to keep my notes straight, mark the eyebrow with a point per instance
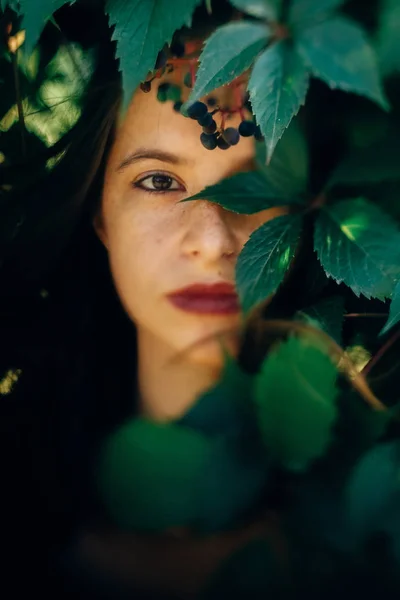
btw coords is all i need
(155, 154)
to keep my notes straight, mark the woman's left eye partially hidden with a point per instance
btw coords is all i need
(158, 183)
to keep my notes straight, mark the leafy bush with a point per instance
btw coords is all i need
(324, 89)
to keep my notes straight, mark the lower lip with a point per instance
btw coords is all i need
(211, 305)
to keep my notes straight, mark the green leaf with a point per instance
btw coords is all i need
(223, 409)
(372, 496)
(244, 193)
(265, 258)
(232, 480)
(295, 394)
(394, 312)
(372, 164)
(262, 9)
(289, 167)
(302, 13)
(228, 52)
(338, 52)
(388, 39)
(280, 75)
(327, 315)
(359, 245)
(36, 14)
(148, 473)
(142, 27)
(154, 476)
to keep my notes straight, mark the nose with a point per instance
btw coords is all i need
(209, 235)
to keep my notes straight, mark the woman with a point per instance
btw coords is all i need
(125, 294)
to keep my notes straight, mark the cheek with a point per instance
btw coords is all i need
(138, 251)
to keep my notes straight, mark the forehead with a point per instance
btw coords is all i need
(154, 124)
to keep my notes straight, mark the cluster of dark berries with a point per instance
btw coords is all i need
(224, 139)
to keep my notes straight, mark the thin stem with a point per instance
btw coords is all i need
(380, 353)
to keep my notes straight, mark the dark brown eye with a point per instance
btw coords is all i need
(161, 182)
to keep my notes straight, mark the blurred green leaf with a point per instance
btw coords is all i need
(224, 408)
(372, 496)
(295, 395)
(359, 244)
(227, 53)
(338, 52)
(302, 13)
(388, 37)
(280, 75)
(142, 27)
(265, 258)
(148, 474)
(244, 193)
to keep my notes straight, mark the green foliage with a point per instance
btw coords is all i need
(372, 495)
(280, 75)
(265, 258)
(227, 53)
(338, 52)
(245, 193)
(295, 395)
(388, 39)
(142, 27)
(359, 244)
(304, 12)
(35, 15)
(224, 408)
(148, 474)
(335, 166)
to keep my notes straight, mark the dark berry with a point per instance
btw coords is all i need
(211, 101)
(212, 128)
(247, 128)
(231, 135)
(222, 143)
(187, 80)
(161, 59)
(208, 141)
(197, 110)
(205, 120)
(258, 135)
(145, 86)
(177, 49)
(177, 106)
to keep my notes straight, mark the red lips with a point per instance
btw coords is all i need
(217, 298)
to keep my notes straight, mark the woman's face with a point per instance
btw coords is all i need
(158, 245)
